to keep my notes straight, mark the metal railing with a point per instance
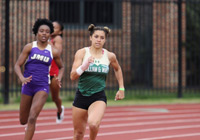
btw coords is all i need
(155, 41)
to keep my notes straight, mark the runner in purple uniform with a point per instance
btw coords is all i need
(37, 57)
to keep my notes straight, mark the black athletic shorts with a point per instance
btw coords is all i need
(84, 102)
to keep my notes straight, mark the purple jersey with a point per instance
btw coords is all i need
(38, 64)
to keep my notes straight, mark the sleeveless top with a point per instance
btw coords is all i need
(93, 79)
(54, 68)
(38, 64)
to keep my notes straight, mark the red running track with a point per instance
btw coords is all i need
(142, 122)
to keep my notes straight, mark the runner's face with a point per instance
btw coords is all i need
(57, 30)
(43, 33)
(98, 39)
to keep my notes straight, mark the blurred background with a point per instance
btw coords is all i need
(157, 43)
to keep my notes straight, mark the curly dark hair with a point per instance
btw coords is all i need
(42, 21)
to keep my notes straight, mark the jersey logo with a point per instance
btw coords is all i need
(100, 68)
(40, 57)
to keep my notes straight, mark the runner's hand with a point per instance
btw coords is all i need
(87, 62)
(119, 95)
(26, 80)
(57, 80)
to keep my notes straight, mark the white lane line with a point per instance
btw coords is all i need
(112, 125)
(66, 138)
(109, 110)
(109, 120)
(151, 117)
(149, 123)
(160, 110)
(147, 113)
(134, 114)
(134, 131)
(171, 136)
(41, 114)
(39, 118)
(37, 125)
(38, 132)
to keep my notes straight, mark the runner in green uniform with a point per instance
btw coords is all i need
(90, 66)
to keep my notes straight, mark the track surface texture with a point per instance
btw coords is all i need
(137, 122)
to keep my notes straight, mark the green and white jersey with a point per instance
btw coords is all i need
(93, 79)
